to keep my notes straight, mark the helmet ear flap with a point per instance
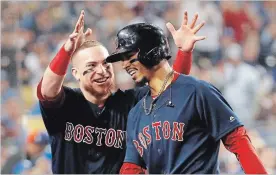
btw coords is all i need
(153, 57)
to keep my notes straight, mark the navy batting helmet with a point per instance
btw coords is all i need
(146, 39)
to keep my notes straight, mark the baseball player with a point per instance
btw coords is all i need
(87, 125)
(177, 126)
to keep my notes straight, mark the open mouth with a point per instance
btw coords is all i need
(101, 80)
(131, 71)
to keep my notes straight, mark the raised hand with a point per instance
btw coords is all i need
(185, 37)
(78, 36)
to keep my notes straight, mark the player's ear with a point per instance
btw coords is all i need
(75, 73)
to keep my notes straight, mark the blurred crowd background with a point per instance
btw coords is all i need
(238, 57)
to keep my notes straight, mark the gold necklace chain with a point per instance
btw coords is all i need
(149, 110)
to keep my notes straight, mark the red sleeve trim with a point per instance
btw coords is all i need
(38, 91)
(183, 62)
(56, 102)
(238, 142)
(131, 168)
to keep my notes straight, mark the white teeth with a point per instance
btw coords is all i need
(131, 72)
(101, 80)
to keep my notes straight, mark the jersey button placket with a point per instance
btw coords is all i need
(153, 115)
(155, 143)
(98, 155)
(159, 151)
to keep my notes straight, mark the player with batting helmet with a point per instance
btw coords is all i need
(177, 126)
(87, 125)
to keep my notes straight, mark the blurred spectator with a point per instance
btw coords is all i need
(236, 18)
(268, 156)
(268, 107)
(107, 26)
(6, 91)
(213, 28)
(37, 60)
(267, 11)
(268, 46)
(251, 48)
(8, 62)
(25, 159)
(11, 119)
(172, 14)
(146, 11)
(241, 85)
(42, 164)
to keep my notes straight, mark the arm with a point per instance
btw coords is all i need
(185, 39)
(50, 87)
(238, 142)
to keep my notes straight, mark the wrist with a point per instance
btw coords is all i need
(184, 51)
(180, 48)
(67, 49)
(60, 62)
(67, 52)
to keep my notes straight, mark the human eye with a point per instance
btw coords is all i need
(106, 64)
(91, 65)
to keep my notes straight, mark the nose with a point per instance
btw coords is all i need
(101, 70)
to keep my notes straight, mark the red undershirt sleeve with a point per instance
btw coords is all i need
(131, 168)
(239, 143)
(183, 62)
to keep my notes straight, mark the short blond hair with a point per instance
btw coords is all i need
(87, 44)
